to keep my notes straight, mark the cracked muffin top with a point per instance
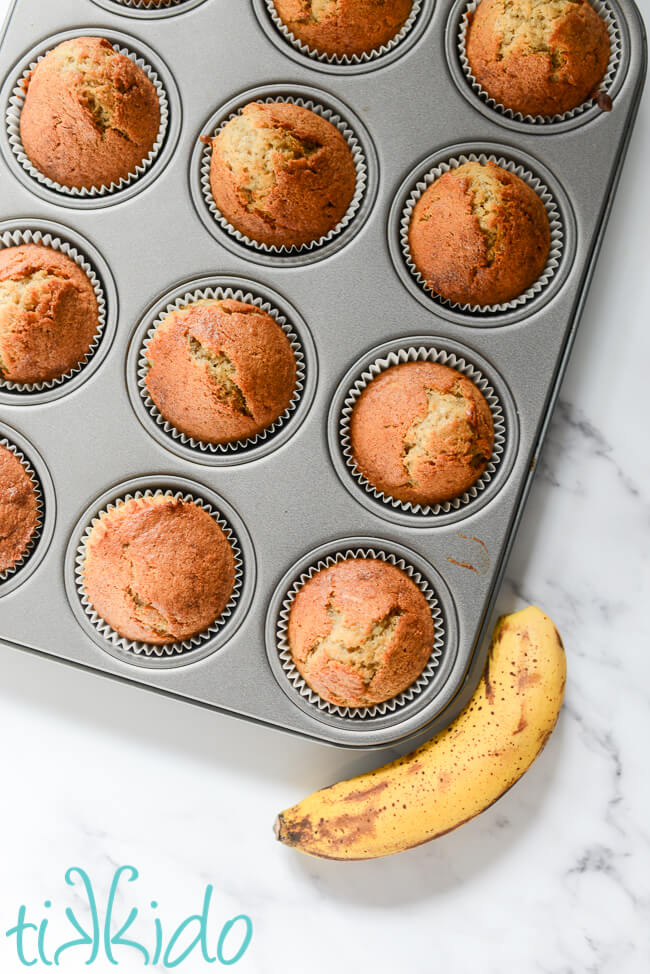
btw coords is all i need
(538, 57)
(91, 115)
(479, 235)
(281, 174)
(18, 509)
(220, 371)
(344, 27)
(422, 433)
(158, 569)
(360, 632)
(48, 314)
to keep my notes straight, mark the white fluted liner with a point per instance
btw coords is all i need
(425, 354)
(220, 294)
(40, 509)
(360, 165)
(130, 646)
(155, 5)
(15, 107)
(552, 211)
(603, 9)
(14, 238)
(344, 59)
(388, 706)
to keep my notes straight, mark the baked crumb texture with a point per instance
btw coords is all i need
(421, 433)
(91, 115)
(48, 314)
(538, 57)
(220, 371)
(158, 569)
(344, 27)
(281, 174)
(18, 509)
(360, 632)
(479, 235)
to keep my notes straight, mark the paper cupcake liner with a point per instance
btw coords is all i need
(425, 354)
(14, 238)
(379, 709)
(552, 211)
(615, 45)
(155, 4)
(40, 510)
(130, 646)
(15, 107)
(158, 8)
(343, 59)
(360, 164)
(220, 294)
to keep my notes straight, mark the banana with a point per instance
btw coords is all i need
(457, 774)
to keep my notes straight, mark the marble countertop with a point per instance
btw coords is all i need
(554, 878)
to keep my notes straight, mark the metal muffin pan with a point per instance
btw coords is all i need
(295, 500)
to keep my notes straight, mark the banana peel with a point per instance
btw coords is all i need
(458, 773)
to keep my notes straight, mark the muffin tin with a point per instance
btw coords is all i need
(292, 499)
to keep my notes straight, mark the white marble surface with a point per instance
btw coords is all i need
(555, 878)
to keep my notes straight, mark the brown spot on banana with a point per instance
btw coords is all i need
(522, 725)
(292, 833)
(527, 679)
(489, 692)
(366, 792)
(342, 829)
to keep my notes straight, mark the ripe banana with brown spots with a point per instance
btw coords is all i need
(457, 774)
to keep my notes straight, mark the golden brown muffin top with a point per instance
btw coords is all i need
(538, 57)
(158, 569)
(344, 27)
(48, 313)
(360, 632)
(281, 174)
(91, 115)
(18, 509)
(220, 371)
(422, 433)
(479, 235)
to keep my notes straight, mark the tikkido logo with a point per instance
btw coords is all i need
(102, 935)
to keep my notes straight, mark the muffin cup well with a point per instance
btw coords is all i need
(345, 60)
(40, 511)
(240, 451)
(359, 147)
(388, 707)
(552, 211)
(15, 107)
(442, 357)
(220, 294)
(146, 651)
(605, 11)
(14, 238)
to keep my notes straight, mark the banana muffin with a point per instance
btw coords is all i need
(479, 235)
(422, 433)
(538, 57)
(91, 115)
(48, 314)
(281, 174)
(360, 632)
(220, 371)
(158, 569)
(344, 27)
(18, 509)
